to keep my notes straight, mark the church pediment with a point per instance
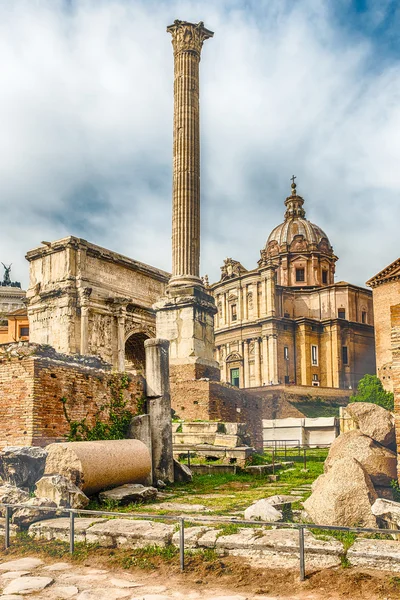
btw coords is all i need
(234, 357)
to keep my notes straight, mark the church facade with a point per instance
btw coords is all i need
(287, 321)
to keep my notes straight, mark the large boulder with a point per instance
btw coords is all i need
(262, 510)
(24, 517)
(343, 496)
(62, 491)
(130, 492)
(22, 466)
(374, 421)
(379, 462)
(10, 494)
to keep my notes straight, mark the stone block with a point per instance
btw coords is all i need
(182, 473)
(22, 466)
(262, 510)
(130, 492)
(58, 529)
(9, 494)
(130, 533)
(375, 554)
(192, 536)
(23, 517)
(374, 421)
(202, 427)
(27, 585)
(62, 491)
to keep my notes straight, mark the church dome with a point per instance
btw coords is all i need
(297, 230)
(301, 251)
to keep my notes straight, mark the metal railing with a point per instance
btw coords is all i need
(301, 527)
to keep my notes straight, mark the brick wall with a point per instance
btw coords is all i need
(395, 345)
(385, 296)
(31, 388)
(214, 401)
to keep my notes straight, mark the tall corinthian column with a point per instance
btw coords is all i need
(185, 316)
(187, 41)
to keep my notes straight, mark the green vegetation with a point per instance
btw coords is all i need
(394, 484)
(370, 389)
(316, 407)
(111, 421)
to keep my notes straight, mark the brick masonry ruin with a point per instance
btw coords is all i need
(34, 378)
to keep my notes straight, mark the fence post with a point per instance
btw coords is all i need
(182, 544)
(273, 462)
(71, 531)
(189, 459)
(305, 459)
(7, 528)
(302, 558)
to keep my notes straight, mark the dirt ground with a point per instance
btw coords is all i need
(230, 576)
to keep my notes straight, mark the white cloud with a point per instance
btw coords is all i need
(86, 144)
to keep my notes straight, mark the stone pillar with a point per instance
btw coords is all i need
(270, 290)
(84, 301)
(273, 357)
(186, 315)
(121, 341)
(265, 370)
(246, 366)
(257, 365)
(187, 41)
(159, 408)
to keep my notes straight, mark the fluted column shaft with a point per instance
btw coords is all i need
(187, 41)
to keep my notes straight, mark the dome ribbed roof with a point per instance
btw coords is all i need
(286, 231)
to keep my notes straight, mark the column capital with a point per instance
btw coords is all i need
(188, 37)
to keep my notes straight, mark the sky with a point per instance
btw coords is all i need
(303, 87)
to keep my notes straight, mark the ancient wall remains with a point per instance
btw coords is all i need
(34, 379)
(385, 296)
(395, 346)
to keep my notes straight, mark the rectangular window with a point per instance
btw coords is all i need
(287, 379)
(314, 355)
(234, 312)
(286, 353)
(315, 377)
(299, 274)
(24, 331)
(235, 377)
(341, 313)
(345, 355)
(324, 276)
(363, 317)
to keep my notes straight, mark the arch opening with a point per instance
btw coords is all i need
(135, 356)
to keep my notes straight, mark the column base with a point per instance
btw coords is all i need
(185, 317)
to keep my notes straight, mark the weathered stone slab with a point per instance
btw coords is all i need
(182, 473)
(62, 491)
(64, 592)
(13, 528)
(9, 494)
(262, 510)
(21, 564)
(130, 492)
(209, 539)
(102, 594)
(179, 507)
(27, 585)
(130, 533)
(388, 511)
(14, 574)
(375, 554)
(192, 536)
(58, 529)
(22, 466)
(24, 517)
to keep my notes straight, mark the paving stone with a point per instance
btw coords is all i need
(375, 554)
(27, 585)
(103, 594)
(61, 566)
(12, 597)
(124, 583)
(176, 506)
(64, 592)
(21, 564)
(229, 597)
(14, 574)
(79, 579)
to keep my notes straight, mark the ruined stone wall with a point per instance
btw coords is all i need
(385, 296)
(33, 379)
(395, 346)
(214, 401)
